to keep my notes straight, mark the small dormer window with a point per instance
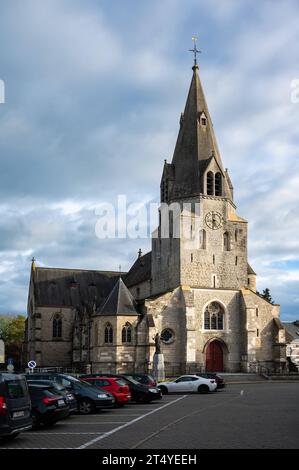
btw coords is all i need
(203, 121)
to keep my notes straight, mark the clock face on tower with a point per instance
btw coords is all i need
(214, 220)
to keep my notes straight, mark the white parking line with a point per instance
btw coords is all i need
(95, 422)
(106, 434)
(61, 433)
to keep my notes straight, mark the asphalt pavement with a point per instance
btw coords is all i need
(242, 416)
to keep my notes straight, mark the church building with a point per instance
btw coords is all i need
(195, 287)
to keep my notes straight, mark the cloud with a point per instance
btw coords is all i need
(93, 98)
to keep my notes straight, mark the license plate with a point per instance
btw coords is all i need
(18, 414)
(61, 403)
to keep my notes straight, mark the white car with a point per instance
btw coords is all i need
(188, 383)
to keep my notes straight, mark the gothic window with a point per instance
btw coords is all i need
(218, 184)
(226, 241)
(213, 321)
(57, 326)
(210, 183)
(202, 239)
(207, 320)
(108, 334)
(214, 317)
(126, 333)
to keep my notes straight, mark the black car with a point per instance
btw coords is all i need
(48, 406)
(15, 406)
(89, 398)
(69, 397)
(144, 379)
(139, 392)
(211, 375)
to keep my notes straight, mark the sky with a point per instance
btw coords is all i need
(93, 96)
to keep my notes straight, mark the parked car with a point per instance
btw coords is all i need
(188, 383)
(210, 375)
(119, 389)
(139, 392)
(48, 406)
(89, 398)
(69, 397)
(15, 406)
(144, 379)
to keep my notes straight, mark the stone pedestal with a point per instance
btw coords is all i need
(158, 367)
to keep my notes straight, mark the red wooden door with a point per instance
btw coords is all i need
(214, 357)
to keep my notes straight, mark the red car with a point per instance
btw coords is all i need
(114, 385)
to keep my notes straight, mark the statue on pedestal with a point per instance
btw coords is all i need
(158, 359)
(157, 339)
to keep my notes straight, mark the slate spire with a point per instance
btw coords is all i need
(196, 144)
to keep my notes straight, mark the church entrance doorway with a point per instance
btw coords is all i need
(214, 357)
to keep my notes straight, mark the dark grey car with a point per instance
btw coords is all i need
(89, 398)
(15, 405)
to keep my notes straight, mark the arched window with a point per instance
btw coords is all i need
(218, 184)
(202, 239)
(210, 183)
(214, 317)
(57, 326)
(126, 333)
(226, 241)
(108, 334)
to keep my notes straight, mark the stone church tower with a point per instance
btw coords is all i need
(195, 287)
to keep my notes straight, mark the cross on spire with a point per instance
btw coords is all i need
(195, 50)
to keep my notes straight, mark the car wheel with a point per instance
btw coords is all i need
(164, 390)
(86, 406)
(203, 389)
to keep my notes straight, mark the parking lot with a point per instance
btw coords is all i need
(241, 416)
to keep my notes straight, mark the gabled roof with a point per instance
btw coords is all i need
(140, 271)
(71, 287)
(119, 302)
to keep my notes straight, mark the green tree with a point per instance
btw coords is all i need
(267, 296)
(12, 328)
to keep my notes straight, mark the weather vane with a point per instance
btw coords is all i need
(195, 50)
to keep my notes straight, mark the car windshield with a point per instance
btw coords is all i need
(71, 378)
(16, 388)
(84, 383)
(131, 379)
(120, 382)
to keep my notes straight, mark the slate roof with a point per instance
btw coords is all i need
(72, 287)
(292, 330)
(140, 271)
(196, 145)
(119, 302)
(249, 269)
